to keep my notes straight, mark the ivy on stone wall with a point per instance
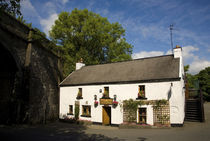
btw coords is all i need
(130, 107)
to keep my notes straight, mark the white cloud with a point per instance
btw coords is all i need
(189, 57)
(197, 65)
(188, 53)
(50, 7)
(147, 54)
(47, 23)
(64, 1)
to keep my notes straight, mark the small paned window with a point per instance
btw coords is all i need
(142, 115)
(106, 92)
(70, 110)
(79, 95)
(141, 93)
(86, 111)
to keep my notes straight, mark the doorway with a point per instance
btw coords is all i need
(142, 115)
(106, 115)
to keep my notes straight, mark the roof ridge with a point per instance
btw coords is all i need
(129, 60)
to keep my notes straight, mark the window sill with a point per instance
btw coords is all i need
(141, 98)
(85, 115)
(70, 114)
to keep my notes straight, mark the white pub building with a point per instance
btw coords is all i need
(98, 91)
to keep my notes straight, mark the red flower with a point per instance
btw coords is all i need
(114, 102)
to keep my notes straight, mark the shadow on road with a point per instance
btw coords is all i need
(54, 132)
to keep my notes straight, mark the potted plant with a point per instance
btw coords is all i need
(96, 103)
(141, 94)
(114, 103)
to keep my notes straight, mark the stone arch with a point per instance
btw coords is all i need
(7, 80)
(11, 78)
(8, 47)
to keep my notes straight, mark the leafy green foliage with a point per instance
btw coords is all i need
(159, 103)
(131, 106)
(186, 68)
(11, 6)
(204, 80)
(76, 111)
(84, 34)
(200, 81)
(191, 79)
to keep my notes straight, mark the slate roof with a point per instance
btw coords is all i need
(161, 68)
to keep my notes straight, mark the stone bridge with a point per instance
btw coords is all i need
(29, 75)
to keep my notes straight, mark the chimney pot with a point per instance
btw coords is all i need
(81, 60)
(80, 64)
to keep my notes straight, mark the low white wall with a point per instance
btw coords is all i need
(153, 91)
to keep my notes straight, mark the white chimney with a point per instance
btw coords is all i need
(177, 52)
(80, 64)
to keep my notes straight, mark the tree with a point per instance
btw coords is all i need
(87, 35)
(204, 80)
(186, 68)
(191, 79)
(11, 6)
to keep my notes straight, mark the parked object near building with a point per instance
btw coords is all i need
(105, 93)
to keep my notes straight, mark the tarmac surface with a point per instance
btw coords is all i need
(58, 131)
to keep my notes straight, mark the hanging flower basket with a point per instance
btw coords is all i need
(96, 103)
(114, 103)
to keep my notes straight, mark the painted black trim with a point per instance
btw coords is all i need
(100, 123)
(141, 98)
(177, 125)
(97, 123)
(85, 116)
(115, 125)
(124, 82)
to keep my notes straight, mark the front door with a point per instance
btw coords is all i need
(106, 115)
(142, 115)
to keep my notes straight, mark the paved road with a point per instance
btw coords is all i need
(191, 131)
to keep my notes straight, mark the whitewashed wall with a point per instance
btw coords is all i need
(153, 91)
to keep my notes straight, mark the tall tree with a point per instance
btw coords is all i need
(204, 80)
(192, 80)
(11, 6)
(87, 35)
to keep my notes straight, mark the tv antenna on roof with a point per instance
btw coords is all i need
(171, 27)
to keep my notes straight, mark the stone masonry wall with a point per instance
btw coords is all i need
(35, 92)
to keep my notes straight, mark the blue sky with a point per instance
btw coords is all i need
(146, 23)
